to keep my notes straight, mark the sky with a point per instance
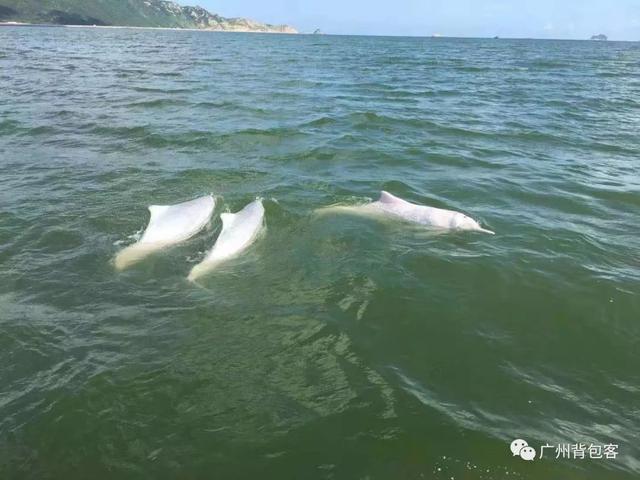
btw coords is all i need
(575, 19)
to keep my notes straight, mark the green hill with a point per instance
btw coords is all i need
(133, 13)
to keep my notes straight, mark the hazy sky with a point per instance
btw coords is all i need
(619, 19)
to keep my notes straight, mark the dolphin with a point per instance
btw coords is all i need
(168, 225)
(437, 218)
(239, 230)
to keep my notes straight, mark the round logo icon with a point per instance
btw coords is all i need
(528, 453)
(518, 445)
(520, 448)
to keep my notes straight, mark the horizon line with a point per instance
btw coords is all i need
(433, 36)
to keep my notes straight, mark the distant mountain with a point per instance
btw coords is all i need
(130, 13)
(601, 37)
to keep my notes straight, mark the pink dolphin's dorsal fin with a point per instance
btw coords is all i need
(157, 210)
(386, 197)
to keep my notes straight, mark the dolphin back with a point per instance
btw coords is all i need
(168, 225)
(239, 230)
(175, 223)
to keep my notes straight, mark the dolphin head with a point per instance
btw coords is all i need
(463, 222)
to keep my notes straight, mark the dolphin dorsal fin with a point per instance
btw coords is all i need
(386, 197)
(157, 210)
(227, 219)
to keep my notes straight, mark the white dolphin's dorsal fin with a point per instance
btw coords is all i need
(168, 225)
(239, 230)
(386, 197)
(157, 210)
(227, 219)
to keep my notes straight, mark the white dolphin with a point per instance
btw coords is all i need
(239, 230)
(437, 218)
(168, 225)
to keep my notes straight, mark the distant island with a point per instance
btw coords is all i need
(127, 13)
(601, 37)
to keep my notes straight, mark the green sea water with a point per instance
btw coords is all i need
(337, 347)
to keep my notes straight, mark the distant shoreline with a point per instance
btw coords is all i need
(53, 25)
(442, 37)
